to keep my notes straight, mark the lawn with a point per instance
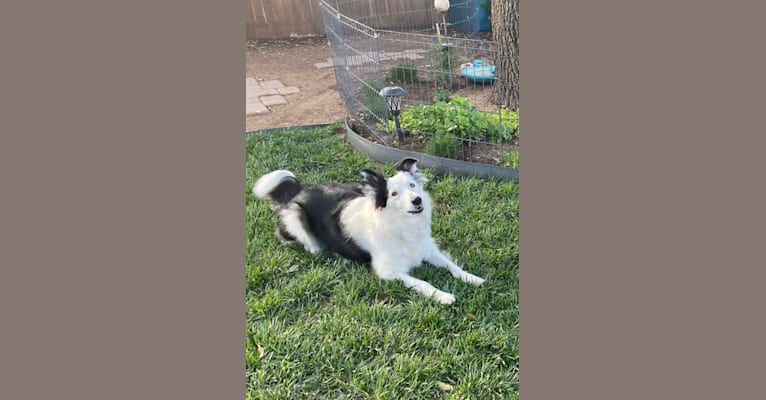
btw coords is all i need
(320, 327)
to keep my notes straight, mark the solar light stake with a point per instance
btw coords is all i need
(442, 6)
(393, 97)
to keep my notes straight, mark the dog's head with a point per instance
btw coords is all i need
(404, 192)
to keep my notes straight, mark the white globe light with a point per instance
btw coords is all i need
(441, 5)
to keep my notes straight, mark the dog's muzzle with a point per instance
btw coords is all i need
(418, 203)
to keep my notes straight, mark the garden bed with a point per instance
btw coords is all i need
(364, 141)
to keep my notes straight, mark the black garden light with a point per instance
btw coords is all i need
(393, 97)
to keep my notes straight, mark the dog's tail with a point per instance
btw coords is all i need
(278, 187)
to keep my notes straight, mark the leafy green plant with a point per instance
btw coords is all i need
(502, 125)
(441, 56)
(444, 145)
(458, 117)
(373, 103)
(449, 123)
(511, 158)
(440, 74)
(441, 95)
(404, 73)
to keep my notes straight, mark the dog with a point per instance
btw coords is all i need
(384, 223)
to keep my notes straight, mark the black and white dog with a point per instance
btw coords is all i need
(384, 222)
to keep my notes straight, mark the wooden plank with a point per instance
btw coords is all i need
(249, 20)
(272, 19)
(317, 21)
(291, 24)
(264, 17)
(278, 26)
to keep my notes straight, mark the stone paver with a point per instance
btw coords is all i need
(260, 95)
(263, 92)
(288, 90)
(271, 84)
(273, 100)
(255, 109)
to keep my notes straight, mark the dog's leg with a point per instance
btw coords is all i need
(295, 229)
(423, 287)
(440, 259)
(283, 235)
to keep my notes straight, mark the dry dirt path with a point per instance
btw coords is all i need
(292, 63)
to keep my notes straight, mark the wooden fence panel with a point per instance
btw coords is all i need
(278, 19)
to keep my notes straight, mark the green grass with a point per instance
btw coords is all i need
(320, 327)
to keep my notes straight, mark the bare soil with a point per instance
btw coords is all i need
(291, 61)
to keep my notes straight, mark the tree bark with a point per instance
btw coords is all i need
(505, 32)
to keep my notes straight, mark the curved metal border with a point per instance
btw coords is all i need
(438, 164)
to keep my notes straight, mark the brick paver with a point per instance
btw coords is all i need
(260, 95)
(271, 84)
(264, 92)
(273, 100)
(255, 109)
(288, 90)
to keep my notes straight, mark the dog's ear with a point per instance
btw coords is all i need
(375, 185)
(411, 165)
(408, 164)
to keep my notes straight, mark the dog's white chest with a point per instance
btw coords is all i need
(401, 250)
(397, 242)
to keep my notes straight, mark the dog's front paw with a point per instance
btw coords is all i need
(444, 297)
(472, 279)
(312, 249)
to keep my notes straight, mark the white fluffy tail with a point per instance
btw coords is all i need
(267, 183)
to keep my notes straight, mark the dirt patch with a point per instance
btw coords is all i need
(291, 61)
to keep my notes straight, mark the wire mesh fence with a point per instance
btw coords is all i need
(443, 62)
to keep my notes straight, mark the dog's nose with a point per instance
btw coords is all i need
(417, 201)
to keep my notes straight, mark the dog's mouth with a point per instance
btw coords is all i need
(417, 210)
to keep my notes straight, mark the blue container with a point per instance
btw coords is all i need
(479, 73)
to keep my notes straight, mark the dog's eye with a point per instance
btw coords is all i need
(412, 184)
(393, 194)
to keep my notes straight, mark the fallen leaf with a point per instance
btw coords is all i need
(260, 351)
(444, 386)
(472, 317)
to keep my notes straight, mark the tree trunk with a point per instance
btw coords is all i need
(505, 32)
